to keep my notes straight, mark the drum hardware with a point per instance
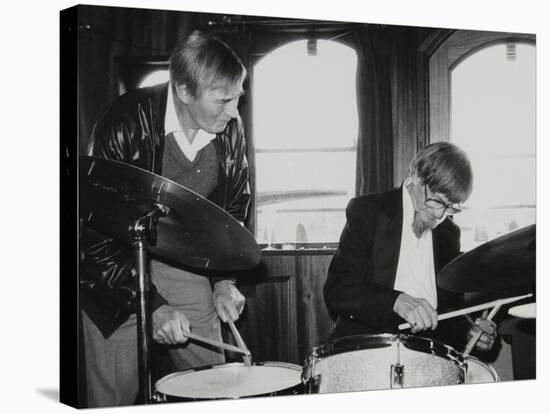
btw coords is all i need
(397, 376)
(397, 371)
(143, 232)
(159, 216)
(311, 381)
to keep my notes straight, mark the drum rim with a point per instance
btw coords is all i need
(489, 367)
(357, 343)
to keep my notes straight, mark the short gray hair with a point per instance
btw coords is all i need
(446, 169)
(200, 59)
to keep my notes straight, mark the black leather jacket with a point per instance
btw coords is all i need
(131, 129)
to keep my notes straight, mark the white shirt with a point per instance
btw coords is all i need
(172, 125)
(415, 269)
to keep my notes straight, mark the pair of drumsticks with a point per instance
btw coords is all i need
(496, 305)
(241, 349)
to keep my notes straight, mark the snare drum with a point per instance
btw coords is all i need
(230, 381)
(375, 362)
(478, 372)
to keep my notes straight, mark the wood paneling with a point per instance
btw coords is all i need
(314, 322)
(285, 314)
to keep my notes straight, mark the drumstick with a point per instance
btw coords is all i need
(246, 354)
(498, 302)
(215, 343)
(476, 337)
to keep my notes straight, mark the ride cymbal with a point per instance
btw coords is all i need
(194, 232)
(505, 262)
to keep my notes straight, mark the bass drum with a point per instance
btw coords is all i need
(478, 372)
(230, 381)
(376, 362)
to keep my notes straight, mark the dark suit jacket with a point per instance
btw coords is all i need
(359, 290)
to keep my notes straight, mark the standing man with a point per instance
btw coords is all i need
(188, 131)
(394, 244)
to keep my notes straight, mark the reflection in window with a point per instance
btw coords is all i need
(305, 129)
(493, 120)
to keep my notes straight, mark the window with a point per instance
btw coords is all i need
(154, 78)
(135, 72)
(305, 131)
(493, 120)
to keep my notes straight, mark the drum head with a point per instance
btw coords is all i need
(230, 381)
(479, 372)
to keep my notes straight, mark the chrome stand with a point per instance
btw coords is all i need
(143, 233)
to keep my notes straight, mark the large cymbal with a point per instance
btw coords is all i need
(505, 262)
(195, 232)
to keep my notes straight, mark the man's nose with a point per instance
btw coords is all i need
(440, 213)
(231, 108)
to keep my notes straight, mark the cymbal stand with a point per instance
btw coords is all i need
(144, 234)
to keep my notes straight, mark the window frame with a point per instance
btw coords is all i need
(442, 52)
(438, 56)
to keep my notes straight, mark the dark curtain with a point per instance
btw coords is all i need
(375, 168)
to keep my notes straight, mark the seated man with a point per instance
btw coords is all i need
(392, 247)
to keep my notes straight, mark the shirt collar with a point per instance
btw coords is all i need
(408, 208)
(171, 123)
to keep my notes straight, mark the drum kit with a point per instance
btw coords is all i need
(156, 215)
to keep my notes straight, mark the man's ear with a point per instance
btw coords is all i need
(414, 177)
(183, 93)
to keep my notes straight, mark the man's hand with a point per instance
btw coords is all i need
(170, 325)
(416, 311)
(228, 301)
(487, 338)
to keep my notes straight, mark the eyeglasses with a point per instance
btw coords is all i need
(436, 204)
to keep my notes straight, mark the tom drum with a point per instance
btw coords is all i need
(374, 362)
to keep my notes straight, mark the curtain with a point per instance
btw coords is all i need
(374, 102)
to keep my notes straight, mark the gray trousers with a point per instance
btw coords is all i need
(112, 363)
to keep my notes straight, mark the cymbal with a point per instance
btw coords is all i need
(195, 232)
(527, 311)
(505, 262)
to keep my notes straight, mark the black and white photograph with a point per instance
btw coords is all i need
(279, 209)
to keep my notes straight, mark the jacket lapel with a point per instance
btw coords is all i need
(387, 242)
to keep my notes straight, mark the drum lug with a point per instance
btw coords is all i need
(311, 381)
(315, 384)
(158, 398)
(397, 374)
